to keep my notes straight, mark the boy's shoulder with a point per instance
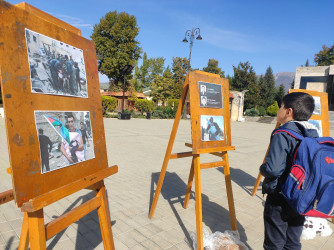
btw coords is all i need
(303, 128)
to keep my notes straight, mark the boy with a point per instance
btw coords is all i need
(283, 226)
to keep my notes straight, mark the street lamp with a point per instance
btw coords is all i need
(191, 34)
(125, 71)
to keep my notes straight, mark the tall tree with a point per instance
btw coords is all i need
(150, 68)
(307, 63)
(243, 75)
(262, 89)
(162, 86)
(213, 68)
(180, 68)
(116, 44)
(280, 94)
(325, 56)
(269, 88)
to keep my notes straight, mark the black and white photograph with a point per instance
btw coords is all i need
(318, 125)
(212, 128)
(210, 95)
(56, 68)
(317, 105)
(65, 138)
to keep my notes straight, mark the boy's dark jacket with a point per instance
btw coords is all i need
(279, 159)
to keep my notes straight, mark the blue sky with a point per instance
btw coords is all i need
(282, 34)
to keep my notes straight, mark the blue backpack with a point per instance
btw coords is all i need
(309, 187)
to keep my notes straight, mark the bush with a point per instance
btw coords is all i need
(108, 104)
(164, 113)
(272, 109)
(173, 103)
(252, 112)
(144, 105)
(262, 111)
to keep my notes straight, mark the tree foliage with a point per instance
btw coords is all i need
(116, 44)
(150, 69)
(180, 68)
(325, 56)
(269, 87)
(280, 94)
(213, 68)
(108, 104)
(243, 75)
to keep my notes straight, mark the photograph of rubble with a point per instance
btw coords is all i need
(65, 138)
(56, 68)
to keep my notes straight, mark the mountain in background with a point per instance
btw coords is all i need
(285, 78)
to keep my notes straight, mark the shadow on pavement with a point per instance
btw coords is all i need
(216, 217)
(88, 234)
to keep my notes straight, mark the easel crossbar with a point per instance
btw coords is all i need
(6, 196)
(181, 155)
(57, 194)
(69, 218)
(213, 164)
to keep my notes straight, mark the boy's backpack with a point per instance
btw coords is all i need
(309, 187)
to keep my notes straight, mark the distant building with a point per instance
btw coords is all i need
(319, 78)
(128, 104)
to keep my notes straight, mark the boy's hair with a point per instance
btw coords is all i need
(301, 103)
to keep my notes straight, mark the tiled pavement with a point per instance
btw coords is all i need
(138, 146)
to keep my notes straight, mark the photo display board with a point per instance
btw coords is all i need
(52, 103)
(210, 111)
(319, 118)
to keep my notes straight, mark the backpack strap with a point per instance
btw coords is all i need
(290, 132)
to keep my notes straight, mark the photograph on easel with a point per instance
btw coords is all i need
(65, 138)
(210, 95)
(212, 128)
(318, 125)
(56, 68)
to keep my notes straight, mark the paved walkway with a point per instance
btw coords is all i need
(138, 146)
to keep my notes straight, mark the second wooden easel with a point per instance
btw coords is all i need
(218, 148)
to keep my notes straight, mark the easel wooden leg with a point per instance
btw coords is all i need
(198, 202)
(257, 183)
(190, 183)
(228, 183)
(24, 238)
(169, 147)
(104, 218)
(37, 230)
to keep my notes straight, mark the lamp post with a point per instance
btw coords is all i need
(191, 34)
(125, 71)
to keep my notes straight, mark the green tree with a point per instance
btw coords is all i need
(116, 45)
(213, 68)
(269, 87)
(325, 56)
(180, 68)
(280, 94)
(272, 109)
(262, 87)
(243, 75)
(162, 87)
(306, 63)
(108, 104)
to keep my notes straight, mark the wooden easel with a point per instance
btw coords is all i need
(323, 117)
(32, 190)
(218, 148)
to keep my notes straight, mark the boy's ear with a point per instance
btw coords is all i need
(289, 112)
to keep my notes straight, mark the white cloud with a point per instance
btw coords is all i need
(74, 21)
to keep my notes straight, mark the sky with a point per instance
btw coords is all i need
(282, 34)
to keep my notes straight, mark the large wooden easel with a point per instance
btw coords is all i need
(323, 117)
(33, 190)
(218, 148)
